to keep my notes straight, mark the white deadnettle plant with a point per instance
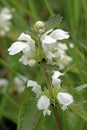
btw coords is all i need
(5, 21)
(54, 53)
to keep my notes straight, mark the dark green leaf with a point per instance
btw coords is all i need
(53, 22)
(79, 110)
(81, 87)
(28, 115)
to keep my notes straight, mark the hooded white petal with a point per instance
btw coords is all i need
(55, 79)
(36, 88)
(56, 74)
(59, 34)
(48, 40)
(56, 82)
(19, 81)
(27, 38)
(43, 104)
(26, 44)
(65, 99)
(24, 60)
(16, 47)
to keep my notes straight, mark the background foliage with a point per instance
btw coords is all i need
(74, 13)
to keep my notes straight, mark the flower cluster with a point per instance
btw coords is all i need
(54, 51)
(5, 23)
(44, 101)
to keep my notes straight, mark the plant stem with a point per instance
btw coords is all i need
(57, 117)
(48, 83)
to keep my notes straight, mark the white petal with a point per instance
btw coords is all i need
(62, 46)
(36, 88)
(16, 47)
(43, 104)
(19, 82)
(3, 82)
(64, 98)
(50, 55)
(48, 40)
(6, 14)
(56, 74)
(24, 60)
(27, 38)
(59, 34)
(24, 37)
(56, 82)
(48, 112)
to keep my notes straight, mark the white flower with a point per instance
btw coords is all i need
(43, 104)
(65, 99)
(55, 51)
(5, 23)
(19, 82)
(50, 40)
(64, 61)
(36, 88)
(27, 45)
(55, 79)
(3, 82)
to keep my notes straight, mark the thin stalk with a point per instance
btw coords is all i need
(48, 83)
(57, 117)
(33, 8)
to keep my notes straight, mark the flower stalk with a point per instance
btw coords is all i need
(57, 117)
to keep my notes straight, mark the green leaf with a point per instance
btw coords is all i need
(79, 110)
(53, 22)
(81, 87)
(28, 115)
(9, 115)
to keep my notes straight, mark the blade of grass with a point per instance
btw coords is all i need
(33, 9)
(49, 8)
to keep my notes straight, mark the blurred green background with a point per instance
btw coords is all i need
(26, 12)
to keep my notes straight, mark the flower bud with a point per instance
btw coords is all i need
(39, 27)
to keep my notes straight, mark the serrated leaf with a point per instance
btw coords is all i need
(28, 115)
(53, 22)
(79, 110)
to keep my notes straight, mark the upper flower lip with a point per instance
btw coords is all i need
(24, 42)
(59, 34)
(54, 35)
(64, 98)
(16, 47)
